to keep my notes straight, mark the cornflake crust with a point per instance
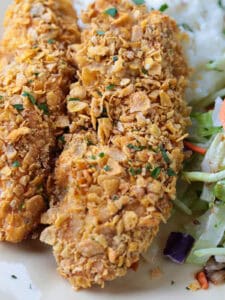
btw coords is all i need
(116, 179)
(35, 74)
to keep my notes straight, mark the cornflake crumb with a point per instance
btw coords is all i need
(155, 273)
(194, 286)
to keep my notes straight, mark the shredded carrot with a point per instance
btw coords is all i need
(202, 279)
(222, 114)
(194, 147)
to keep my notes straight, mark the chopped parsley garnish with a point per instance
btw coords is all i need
(99, 93)
(44, 108)
(30, 97)
(40, 187)
(148, 167)
(16, 164)
(14, 276)
(115, 197)
(36, 74)
(115, 58)
(107, 168)
(164, 155)
(1, 97)
(170, 172)
(100, 32)
(18, 107)
(89, 142)
(155, 173)
(139, 2)
(74, 99)
(101, 155)
(186, 27)
(111, 12)
(135, 172)
(110, 87)
(61, 138)
(51, 41)
(93, 157)
(163, 7)
(135, 148)
(21, 206)
(221, 5)
(144, 71)
(30, 81)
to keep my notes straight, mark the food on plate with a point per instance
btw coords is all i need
(116, 178)
(34, 79)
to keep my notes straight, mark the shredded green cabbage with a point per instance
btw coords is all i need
(208, 234)
(209, 252)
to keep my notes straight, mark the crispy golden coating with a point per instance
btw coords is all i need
(117, 175)
(34, 79)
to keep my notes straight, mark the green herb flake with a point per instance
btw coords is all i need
(30, 97)
(144, 71)
(36, 74)
(93, 157)
(115, 58)
(164, 155)
(21, 206)
(135, 148)
(44, 108)
(74, 99)
(110, 87)
(13, 276)
(99, 93)
(155, 173)
(51, 41)
(107, 168)
(16, 164)
(148, 167)
(221, 5)
(186, 27)
(18, 107)
(135, 172)
(101, 155)
(61, 138)
(170, 172)
(115, 197)
(100, 32)
(1, 97)
(163, 7)
(89, 142)
(139, 2)
(111, 12)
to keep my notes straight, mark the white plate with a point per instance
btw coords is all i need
(36, 278)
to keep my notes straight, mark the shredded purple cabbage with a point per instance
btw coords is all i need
(178, 246)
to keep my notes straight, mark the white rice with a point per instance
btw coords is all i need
(207, 41)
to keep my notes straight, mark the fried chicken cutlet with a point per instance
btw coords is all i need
(116, 178)
(34, 80)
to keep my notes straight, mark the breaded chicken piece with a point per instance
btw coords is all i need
(34, 80)
(116, 179)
